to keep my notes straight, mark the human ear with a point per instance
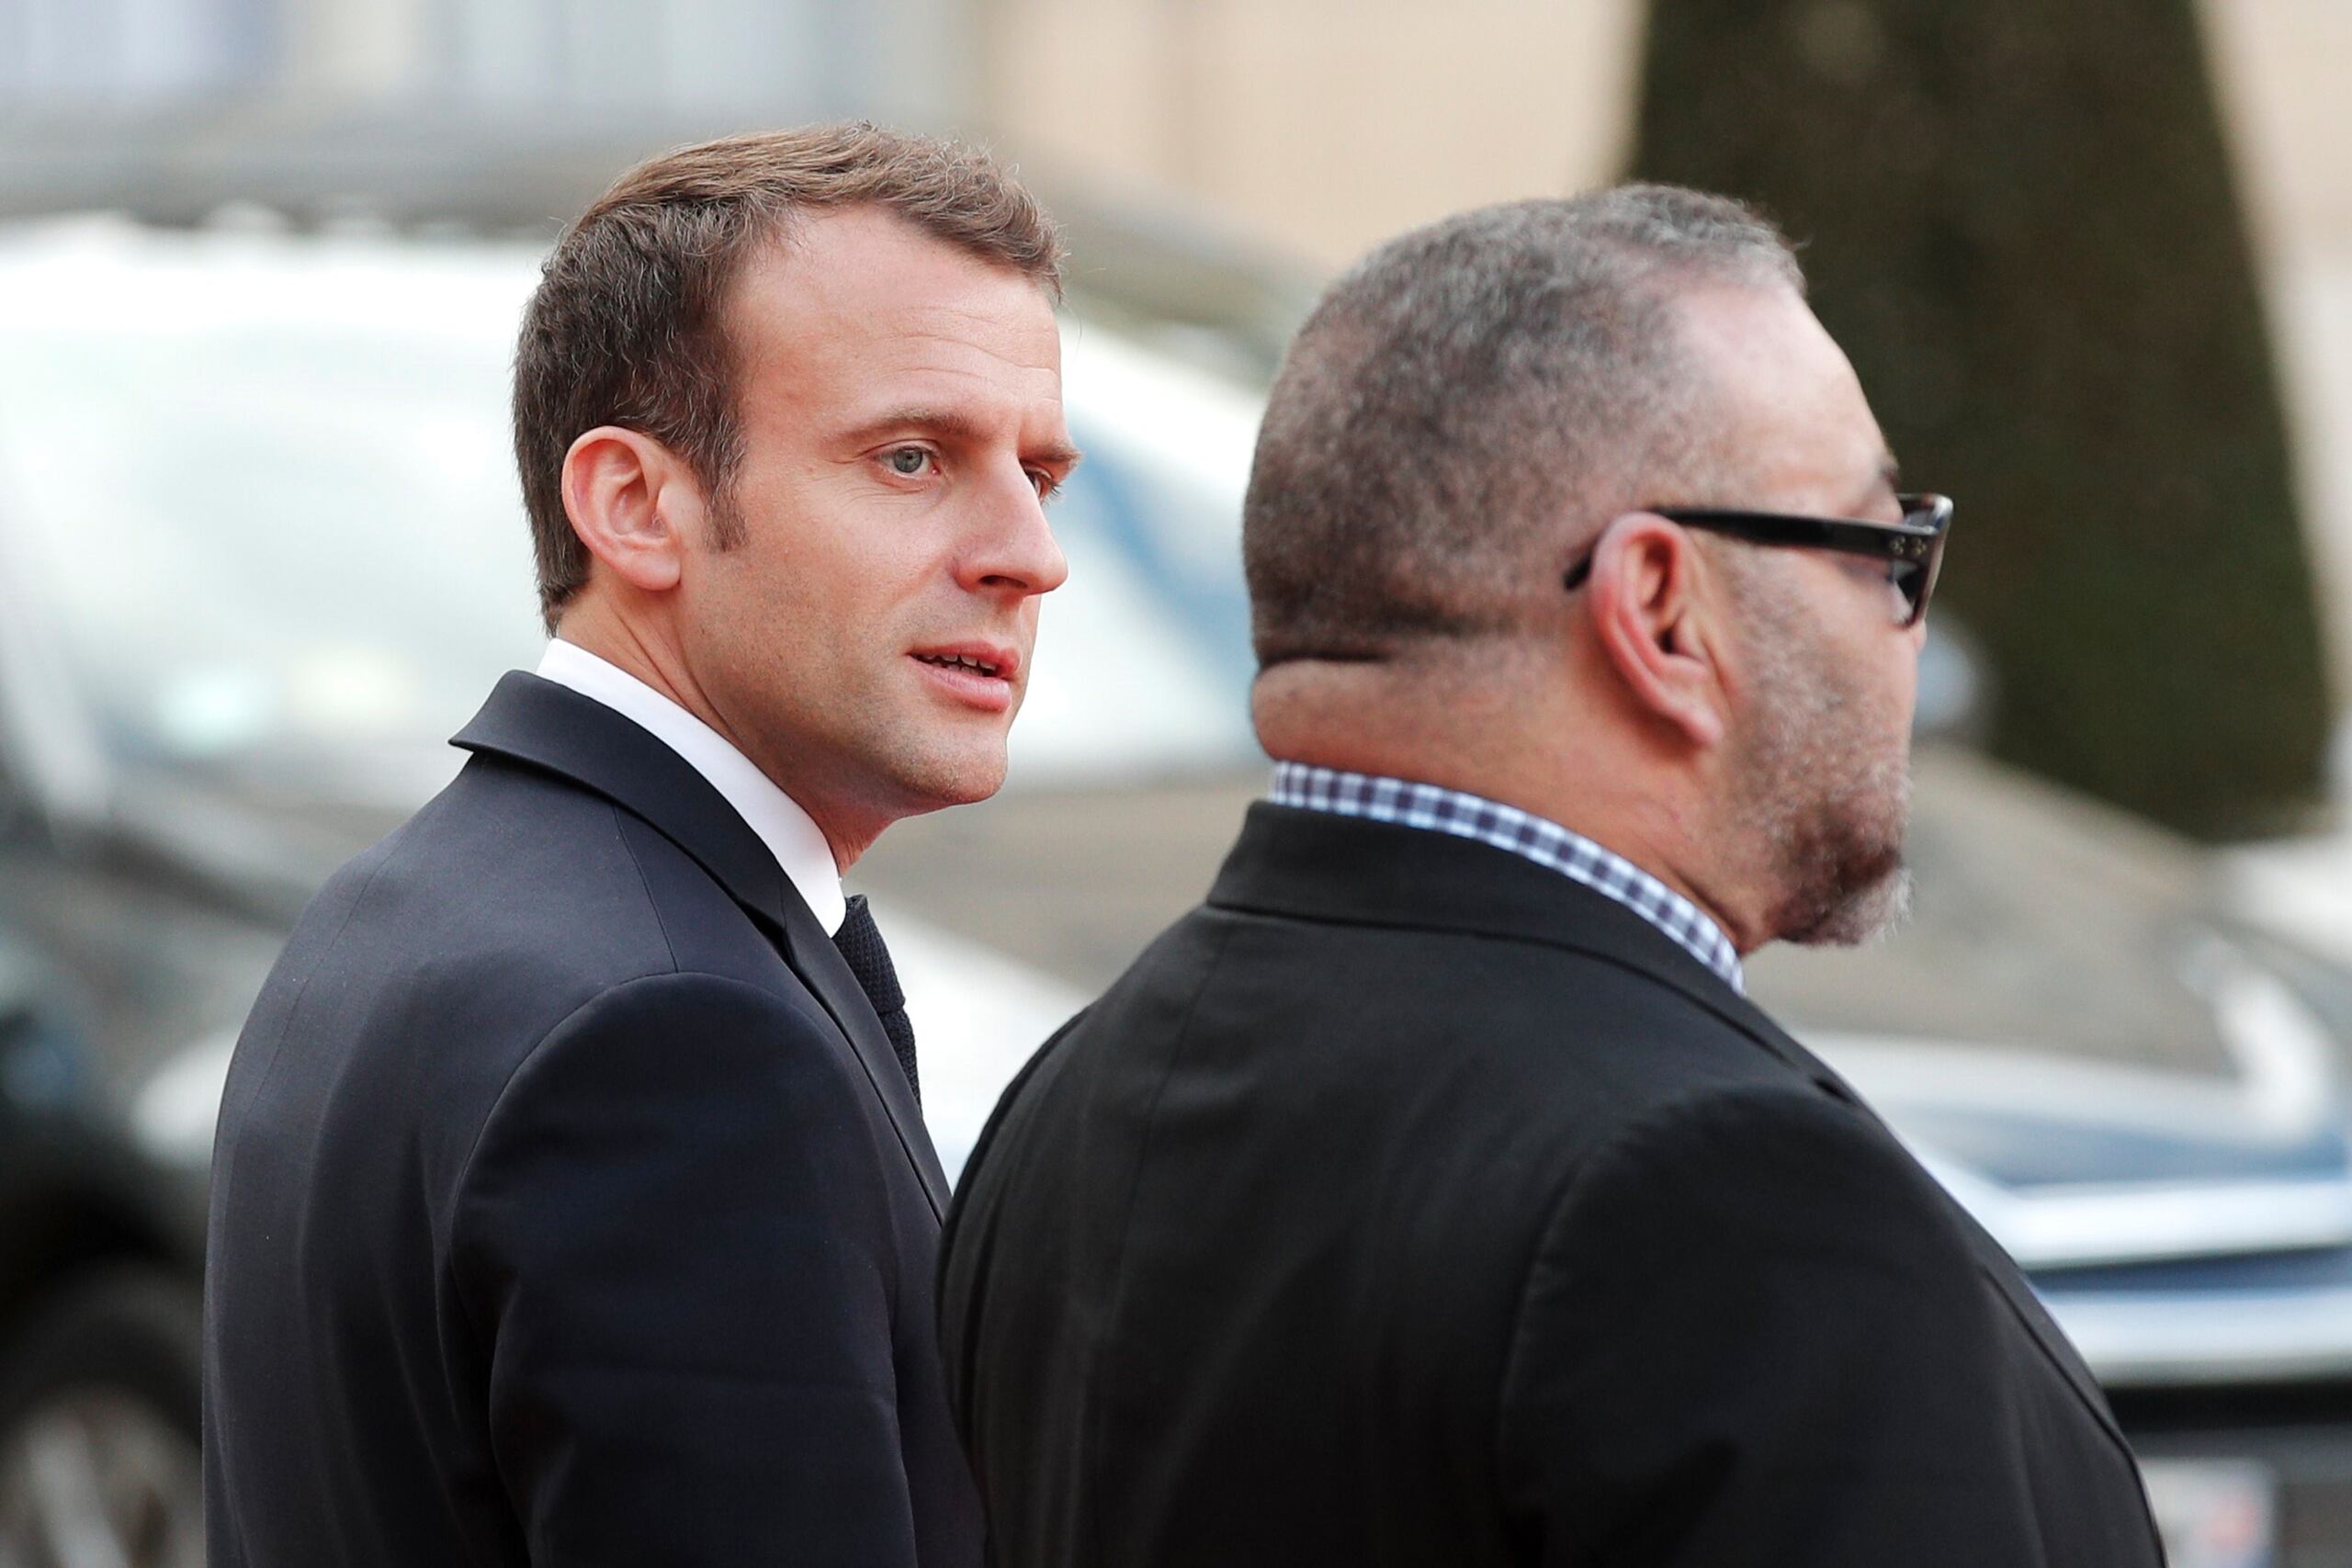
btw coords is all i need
(1656, 632)
(624, 492)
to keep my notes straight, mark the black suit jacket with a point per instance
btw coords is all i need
(569, 1206)
(1410, 1203)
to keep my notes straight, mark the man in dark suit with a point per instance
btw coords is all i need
(571, 1202)
(1432, 1193)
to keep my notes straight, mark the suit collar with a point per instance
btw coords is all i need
(791, 835)
(557, 730)
(1352, 871)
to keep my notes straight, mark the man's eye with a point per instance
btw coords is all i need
(1046, 484)
(908, 461)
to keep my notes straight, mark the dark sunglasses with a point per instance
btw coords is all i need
(1913, 549)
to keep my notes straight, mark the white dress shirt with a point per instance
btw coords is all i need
(795, 842)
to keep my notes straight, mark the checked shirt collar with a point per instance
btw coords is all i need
(1546, 843)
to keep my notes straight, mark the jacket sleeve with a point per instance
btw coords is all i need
(1753, 1336)
(673, 1241)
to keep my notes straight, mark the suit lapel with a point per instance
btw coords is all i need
(558, 730)
(820, 964)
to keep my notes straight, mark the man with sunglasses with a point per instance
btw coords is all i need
(1433, 1193)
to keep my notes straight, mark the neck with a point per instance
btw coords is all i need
(660, 665)
(1580, 770)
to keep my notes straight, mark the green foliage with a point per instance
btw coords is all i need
(2018, 219)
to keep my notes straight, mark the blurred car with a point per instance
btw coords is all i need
(261, 551)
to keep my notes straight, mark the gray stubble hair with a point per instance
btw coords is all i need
(1470, 391)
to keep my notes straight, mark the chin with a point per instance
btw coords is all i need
(1865, 915)
(954, 777)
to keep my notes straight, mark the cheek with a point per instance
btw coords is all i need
(876, 552)
(1906, 673)
(823, 572)
(836, 582)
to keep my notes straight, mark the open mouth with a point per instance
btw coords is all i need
(961, 662)
(979, 674)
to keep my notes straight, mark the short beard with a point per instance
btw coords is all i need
(1823, 798)
(1847, 892)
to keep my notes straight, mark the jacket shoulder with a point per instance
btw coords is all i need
(429, 968)
(1752, 1293)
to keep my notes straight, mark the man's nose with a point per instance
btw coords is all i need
(1017, 549)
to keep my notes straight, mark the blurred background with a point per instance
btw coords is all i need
(261, 550)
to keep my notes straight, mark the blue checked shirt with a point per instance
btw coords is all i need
(1508, 827)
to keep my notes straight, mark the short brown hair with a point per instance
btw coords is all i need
(627, 326)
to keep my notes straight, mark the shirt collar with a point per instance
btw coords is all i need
(788, 832)
(1410, 804)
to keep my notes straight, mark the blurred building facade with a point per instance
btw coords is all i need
(617, 59)
(1322, 124)
(481, 110)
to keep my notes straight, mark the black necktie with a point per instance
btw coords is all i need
(860, 941)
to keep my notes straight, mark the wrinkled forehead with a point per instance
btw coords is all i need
(1783, 414)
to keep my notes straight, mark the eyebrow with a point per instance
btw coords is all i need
(956, 425)
(1890, 474)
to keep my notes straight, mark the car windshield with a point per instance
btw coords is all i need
(259, 494)
(266, 512)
